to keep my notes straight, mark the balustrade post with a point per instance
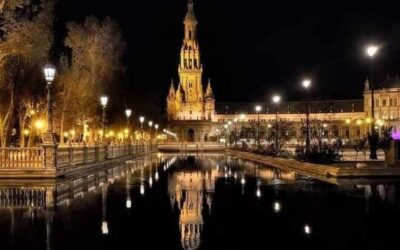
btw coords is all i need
(70, 155)
(85, 153)
(105, 152)
(50, 156)
(96, 152)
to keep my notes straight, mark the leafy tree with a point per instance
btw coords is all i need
(24, 47)
(97, 49)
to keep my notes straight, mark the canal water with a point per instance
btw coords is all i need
(209, 201)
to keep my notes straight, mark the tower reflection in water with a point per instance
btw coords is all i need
(189, 180)
(190, 189)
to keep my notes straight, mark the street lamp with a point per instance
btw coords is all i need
(128, 113)
(276, 99)
(104, 102)
(371, 52)
(151, 126)
(258, 108)
(226, 135)
(156, 127)
(141, 120)
(235, 138)
(242, 119)
(49, 73)
(306, 85)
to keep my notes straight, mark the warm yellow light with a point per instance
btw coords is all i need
(120, 135)
(39, 124)
(101, 132)
(380, 122)
(306, 83)
(325, 125)
(359, 122)
(65, 134)
(72, 132)
(32, 112)
(26, 132)
(111, 133)
(258, 108)
(348, 121)
(242, 116)
(372, 50)
(276, 98)
(126, 131)
(368, 120)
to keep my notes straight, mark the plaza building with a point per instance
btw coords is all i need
(194, 115)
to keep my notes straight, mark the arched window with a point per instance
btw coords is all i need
(190, 34)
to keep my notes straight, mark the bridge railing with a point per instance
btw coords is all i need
(36, 158)
(21, 157)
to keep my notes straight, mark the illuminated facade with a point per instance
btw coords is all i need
(188, 101)
(194, 116)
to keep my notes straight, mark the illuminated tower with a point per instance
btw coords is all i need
(189, 102)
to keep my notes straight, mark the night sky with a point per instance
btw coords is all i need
(251, 49)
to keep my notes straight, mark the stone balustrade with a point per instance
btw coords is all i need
(21, 157)
(49, 160)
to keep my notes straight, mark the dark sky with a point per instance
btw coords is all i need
(253, 48)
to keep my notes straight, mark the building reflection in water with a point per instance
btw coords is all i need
(191, 189)
(41, 199)
(191, 182)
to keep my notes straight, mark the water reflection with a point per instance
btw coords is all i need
(194, 193)
(191, 190)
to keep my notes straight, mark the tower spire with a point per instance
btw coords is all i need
(366, 84)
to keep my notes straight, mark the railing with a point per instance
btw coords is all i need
(40, 157)
(191, 146)
(21, 157)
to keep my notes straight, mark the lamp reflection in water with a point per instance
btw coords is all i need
(277, 207)
(142, 190)
(258, 191)
(128, 194)
(307, 229)
(243, 182)
(104, 223)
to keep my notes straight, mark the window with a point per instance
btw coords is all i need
(395, 102)
(384, 103)
(391, 102)
(190, 34)
(377, 102)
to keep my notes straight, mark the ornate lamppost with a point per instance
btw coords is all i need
(151, 126)
(306, 84)
(258, 109)
(235, 121)
(371, 52)
(276, 99)
(226, 135)
(141, 120)
(49, 74)
(242, 119)
(128, 113)
(156, 127)
(104, 102)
